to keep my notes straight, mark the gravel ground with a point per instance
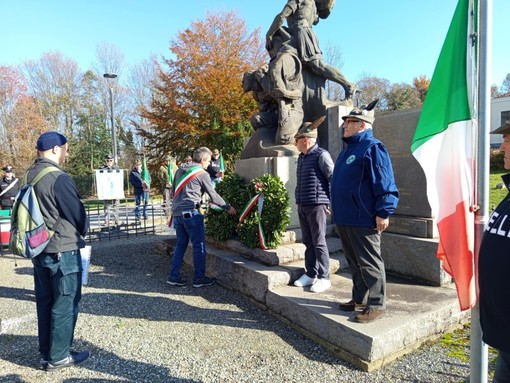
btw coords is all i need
(139, 329)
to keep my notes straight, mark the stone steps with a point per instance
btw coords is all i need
(415, 313)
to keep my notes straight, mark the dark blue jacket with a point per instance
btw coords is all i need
(313, 177)
(135, 179)
(363, 185)
(493, 266)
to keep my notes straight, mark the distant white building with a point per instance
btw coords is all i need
(500, 112)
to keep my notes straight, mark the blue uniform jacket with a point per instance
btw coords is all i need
(493, 266)
(363, 185)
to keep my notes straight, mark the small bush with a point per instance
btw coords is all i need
(496, 160)
(220, 225)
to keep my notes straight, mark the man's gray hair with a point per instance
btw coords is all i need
(201, 153)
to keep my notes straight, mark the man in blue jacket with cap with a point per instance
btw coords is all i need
(364, 195)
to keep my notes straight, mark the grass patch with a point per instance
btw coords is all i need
(496, 195)
(458, 345)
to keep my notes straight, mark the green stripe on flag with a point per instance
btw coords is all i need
(146, 177)
(222, 163)
(447, 97)
(443, 144)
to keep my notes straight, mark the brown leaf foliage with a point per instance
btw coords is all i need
(422, 83)
(27, 126)
(198, 99)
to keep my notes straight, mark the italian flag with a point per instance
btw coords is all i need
(146, 177)
(222, 163)
(443, 144)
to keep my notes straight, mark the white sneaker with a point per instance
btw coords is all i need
(321, 285)
(305, 280)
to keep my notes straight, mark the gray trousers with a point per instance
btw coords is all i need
(312, 219)
(362, 249)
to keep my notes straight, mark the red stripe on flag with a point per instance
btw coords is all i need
(455, 251)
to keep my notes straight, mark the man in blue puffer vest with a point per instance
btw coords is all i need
(314, 171)
(364, 195)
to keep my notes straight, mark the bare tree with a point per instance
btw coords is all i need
(53, 81)
(333, 56)
(110, 59)
(372, 87)
(141, 82)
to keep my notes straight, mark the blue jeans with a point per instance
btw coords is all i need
(189, 229)
(57, 294)
(144, 195)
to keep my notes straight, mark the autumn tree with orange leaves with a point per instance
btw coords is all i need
(421, 83)
(198, 98)
(21, 121)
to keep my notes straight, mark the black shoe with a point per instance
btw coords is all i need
(43, 361)
(205, 281)
(178, 282)
(73, 359)
(351, 306)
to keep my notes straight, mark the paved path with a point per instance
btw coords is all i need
(138, 329)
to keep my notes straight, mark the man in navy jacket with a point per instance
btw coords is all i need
(493, 266)
(364, 195)
(314, 171)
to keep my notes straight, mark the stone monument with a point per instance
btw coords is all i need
(290, 90)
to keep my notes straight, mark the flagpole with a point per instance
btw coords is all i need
(479, 350)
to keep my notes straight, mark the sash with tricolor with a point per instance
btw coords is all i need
(190, 174)
(259, 200)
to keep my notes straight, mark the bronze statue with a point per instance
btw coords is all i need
(301, 15)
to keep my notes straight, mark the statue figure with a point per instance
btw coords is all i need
(290, 89)
(278, 89)
(286, 86)
(301, 15)
(257, 82)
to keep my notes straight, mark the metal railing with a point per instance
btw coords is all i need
(103, 227)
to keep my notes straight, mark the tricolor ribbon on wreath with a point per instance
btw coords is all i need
(259, 200)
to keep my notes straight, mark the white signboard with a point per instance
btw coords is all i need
(110, 183)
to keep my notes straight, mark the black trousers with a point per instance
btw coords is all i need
(57, 281)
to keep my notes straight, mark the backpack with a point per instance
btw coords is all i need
(29, 233)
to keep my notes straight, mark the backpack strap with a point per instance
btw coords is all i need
(40, 175)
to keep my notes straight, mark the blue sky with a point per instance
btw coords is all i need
(393, 39)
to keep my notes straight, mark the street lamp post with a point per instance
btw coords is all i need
(110, 78)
